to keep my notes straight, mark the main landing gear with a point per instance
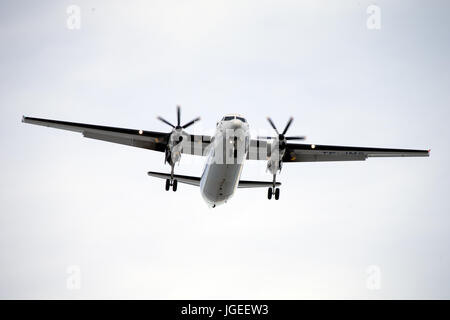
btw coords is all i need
(273, 190)
(270, 192)
(171, 182)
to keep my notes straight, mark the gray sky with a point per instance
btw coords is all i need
(67, 200)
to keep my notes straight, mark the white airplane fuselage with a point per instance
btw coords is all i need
(226, 157)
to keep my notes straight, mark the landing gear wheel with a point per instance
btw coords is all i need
(167, 184)
(277, 193)
(174, 185)
(269, 193)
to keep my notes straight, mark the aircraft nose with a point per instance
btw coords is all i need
(236, 124)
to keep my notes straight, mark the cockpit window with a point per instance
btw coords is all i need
(227, 118)
(242, 119)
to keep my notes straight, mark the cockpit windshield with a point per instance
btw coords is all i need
(228, 118)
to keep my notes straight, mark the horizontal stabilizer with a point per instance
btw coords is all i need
(257, 184)
(195, 181)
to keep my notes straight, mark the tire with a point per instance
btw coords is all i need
(174, 185)
(269, 193)
(167, 184)
(277, 193)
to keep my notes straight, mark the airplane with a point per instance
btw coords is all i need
(226, 152)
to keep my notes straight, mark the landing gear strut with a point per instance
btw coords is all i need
(171, 182)
(273, 190)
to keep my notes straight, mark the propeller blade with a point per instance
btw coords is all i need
(190, 123)
(272, 124)
(296, 138)
(178, 115)
(165, 121)
(288, 125)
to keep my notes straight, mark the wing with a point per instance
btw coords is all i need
(259, 150)
(151, 140)
(317, 152)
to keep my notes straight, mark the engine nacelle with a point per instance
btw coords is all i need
(274, 165)
(275, 162)
(175, 147)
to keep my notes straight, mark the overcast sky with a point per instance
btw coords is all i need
(337, 229)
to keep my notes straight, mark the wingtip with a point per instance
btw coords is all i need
(23, 118)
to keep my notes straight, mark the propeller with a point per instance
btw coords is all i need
(179, 126)
(281, 136)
